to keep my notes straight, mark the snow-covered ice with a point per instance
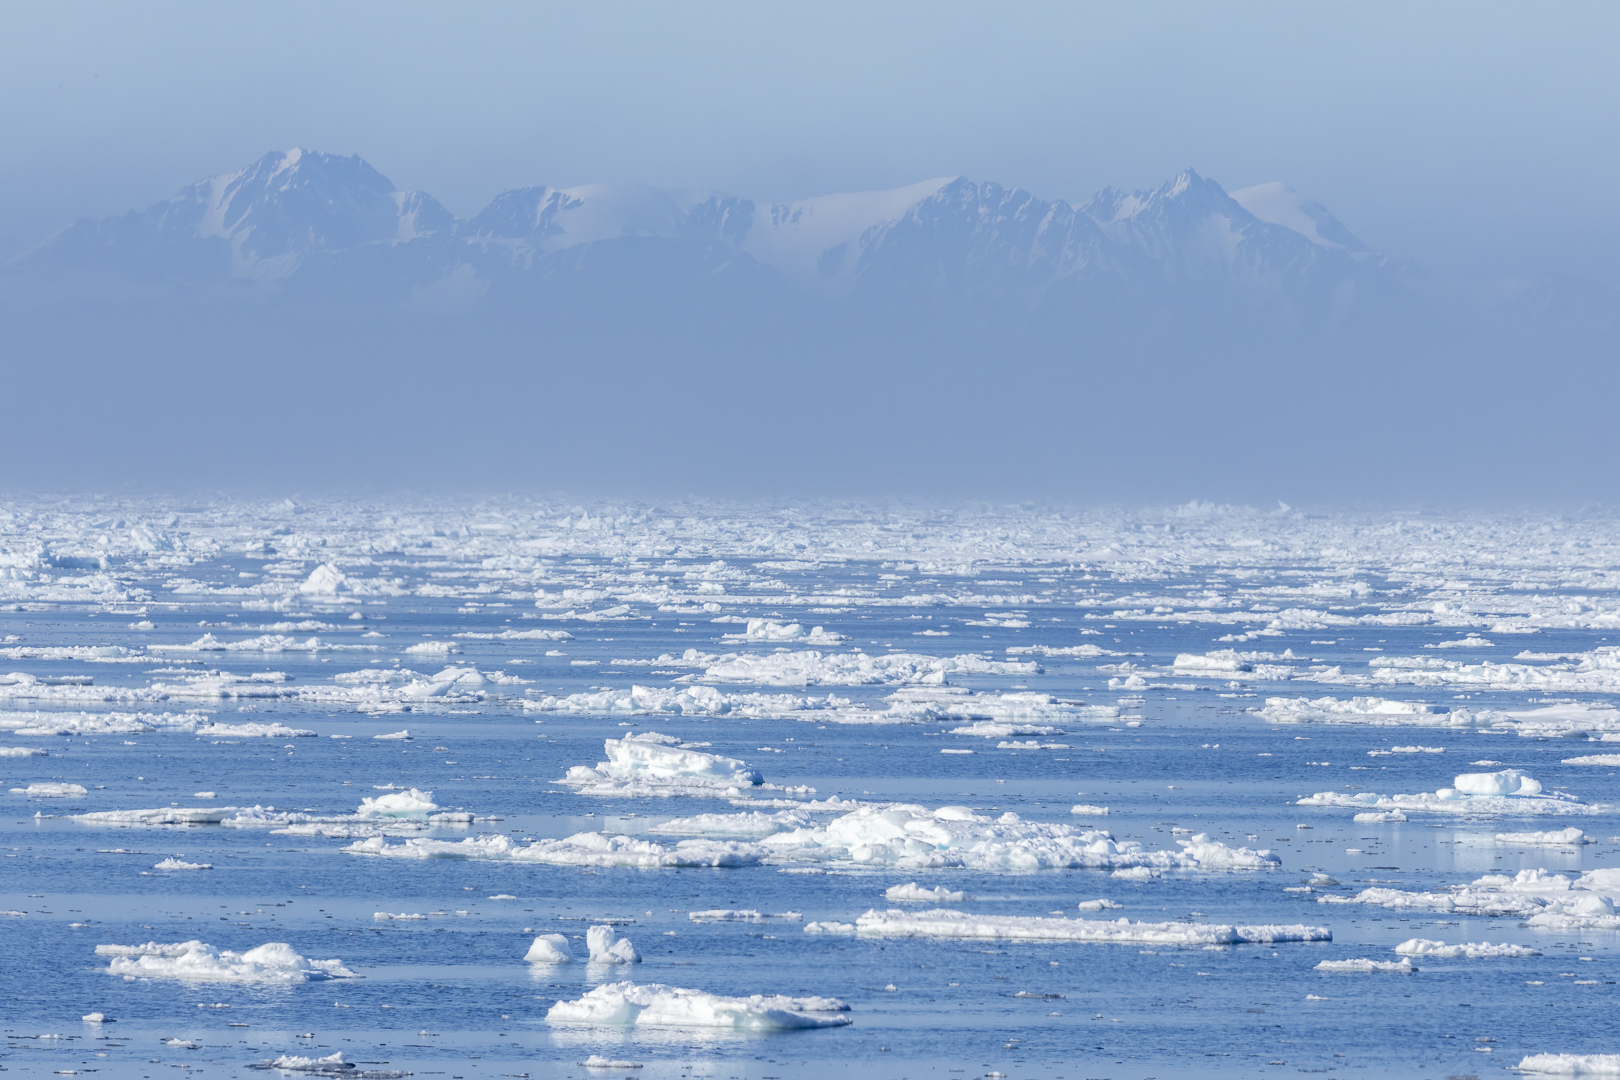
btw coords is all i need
(626, 1004)
(195, 961)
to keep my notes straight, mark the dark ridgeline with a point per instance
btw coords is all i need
(952, 332)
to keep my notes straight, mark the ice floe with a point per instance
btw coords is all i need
(654, 764)
(1470, 950)
(913, 892)
(1570, 1064)
(1545, 900)
(1401, 967)
(607, 947)
(410, 801)
(945, 923)
(275, 962)
(1505, 792)
(179, 864)
(1550, 838)
(48, 790)
(581, 849)
(915, 837)
(626, 1004)
(549, 949)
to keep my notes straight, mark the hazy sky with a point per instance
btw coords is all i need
(1477, 137)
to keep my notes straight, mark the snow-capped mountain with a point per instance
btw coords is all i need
(260, 222)
(335, 225)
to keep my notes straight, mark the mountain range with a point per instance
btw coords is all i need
(301, 224)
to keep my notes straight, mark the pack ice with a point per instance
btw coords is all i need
(944, 923)
(1546, 901)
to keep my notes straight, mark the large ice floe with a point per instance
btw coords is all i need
(1504, 792)
(650, 764)
(1398, 967)
(627, 1004)
(1570, 1064)
(1468, 950)
(275, 962)
(581, 849)
(915, 837)
(944, 923)
(1546, 901)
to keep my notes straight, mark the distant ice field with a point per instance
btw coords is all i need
(910, 789)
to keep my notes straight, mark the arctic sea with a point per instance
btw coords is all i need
(901, 769)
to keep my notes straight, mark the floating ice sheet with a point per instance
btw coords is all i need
(626, 1004)
(275, 962)
(943, 923)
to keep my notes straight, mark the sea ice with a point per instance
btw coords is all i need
(581, 849)
(607, 947)
(1571, 1064)
(275, 962)
(943, 923)
(549, 949)
(624, 1004)
(51, 791)
(914, 837)
(1396, 966)
(411, 801)
(939, 894)
(177, 864)
(1551, 838)
(1468, 950)
(654, 764)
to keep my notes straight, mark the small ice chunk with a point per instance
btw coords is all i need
(410, 801)
(403, 736)
(607, 947)
(939, 894)
(94, 1018)
(1087, 810)
(177, 864)
(597, 1061)
(549, 949)
(1401, 966)
(1098, 905)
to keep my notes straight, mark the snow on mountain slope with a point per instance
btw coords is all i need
(1280, 204)
(341, 225)
(284, 206)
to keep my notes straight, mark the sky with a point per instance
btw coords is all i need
(1477, 138)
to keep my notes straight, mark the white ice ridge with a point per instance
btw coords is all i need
(1552, 838)
(48, 790)
(1471, 950)
(597, 1061)
(1571, 1064)
(746, 915)
(627, 1004)
(275, 962)
(370, 690)
(284, 822)
(769, 630)
(943, 923)
(654, 764)
(179, 864)
(939, 894)
(1546, 901)
(581, 849)
(1506, 791)
(21, 751)
(1402, 967)
(607, 947)
(916, 838)
(1610, 760)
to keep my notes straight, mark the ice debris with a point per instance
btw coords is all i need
(1403, 966)
(653, 764)
(939, 894)
(1469, 950)
(607, 947)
